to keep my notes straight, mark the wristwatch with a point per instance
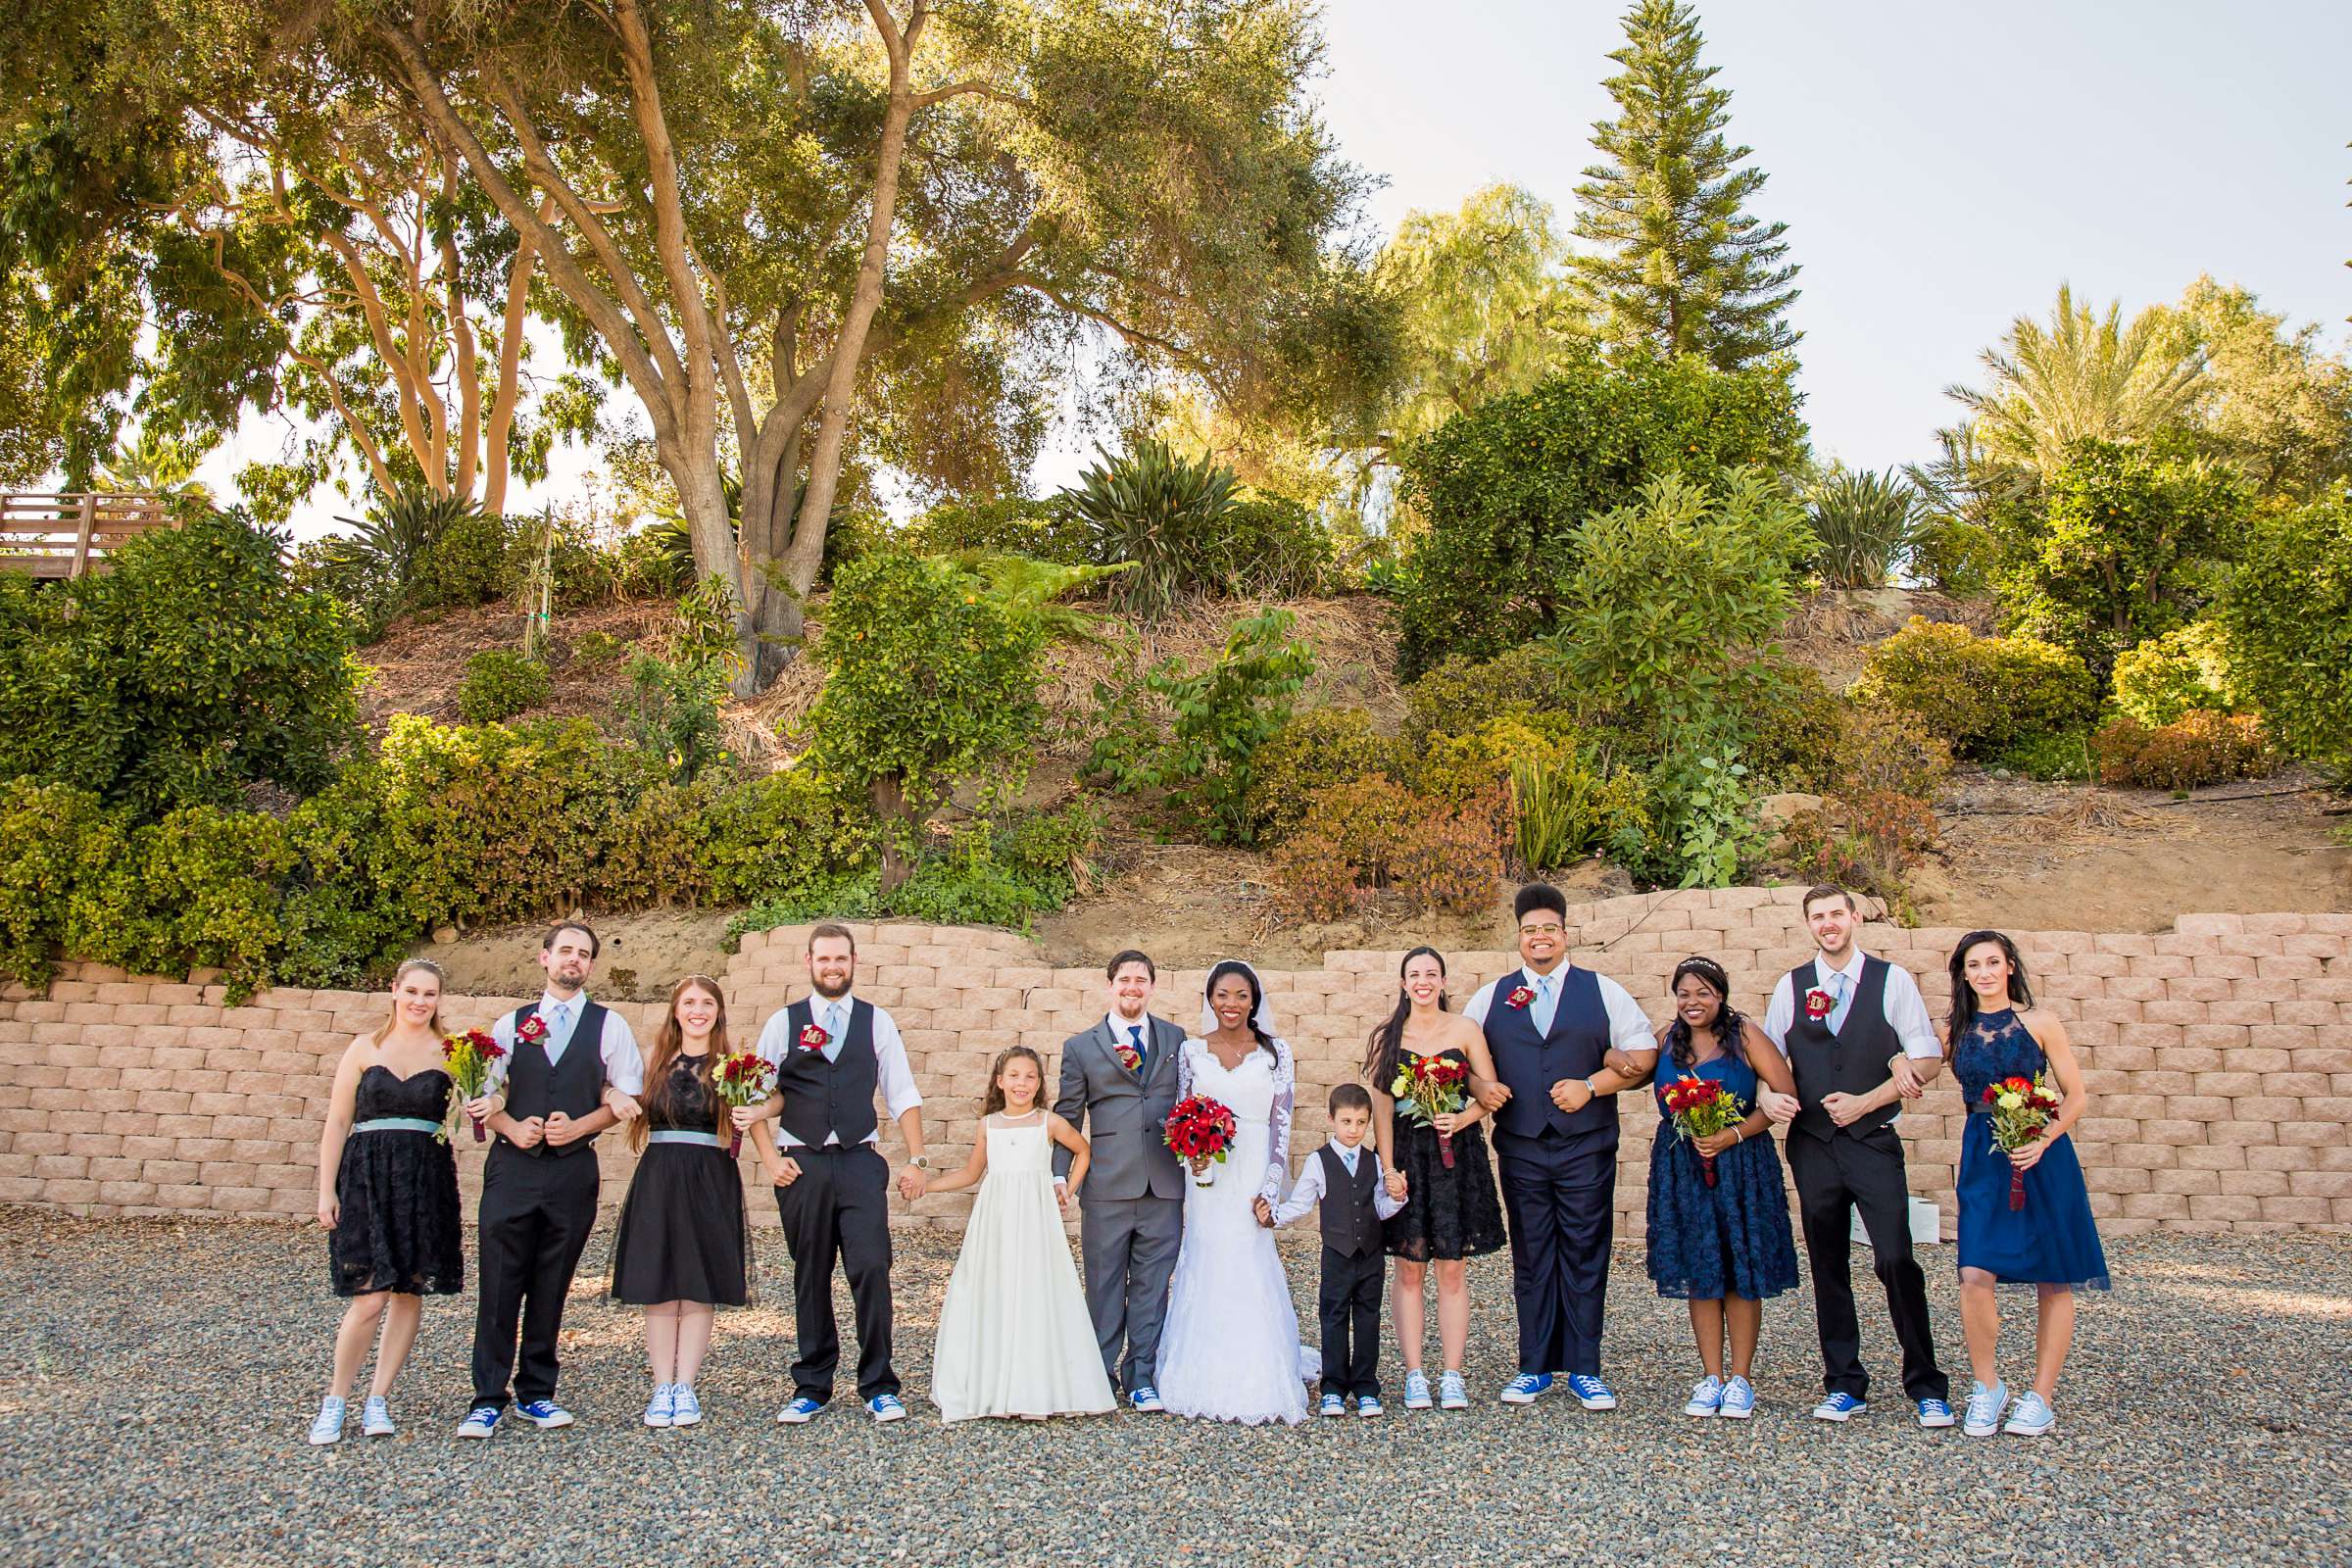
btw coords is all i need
(920, 1162)
(1589, 1089)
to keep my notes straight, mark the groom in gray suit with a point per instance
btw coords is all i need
(1118, 1084)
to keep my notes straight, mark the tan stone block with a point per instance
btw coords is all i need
(2115, 1178)
(2124, 1057)
(2297, 1211)
(2209, 1156)
(2161, 1206)
(2221, 1206)
(2319, 1183)
(2307, 1134)
(2221, 966)
(2185, 1181)
(2167, 1009)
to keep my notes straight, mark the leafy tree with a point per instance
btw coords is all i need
(1681, 266)
(2081, 378)
(1506, 489)
(2286, 617)
(1963, 493)
(2271, 401)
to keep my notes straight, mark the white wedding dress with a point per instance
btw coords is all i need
(1230, 1350)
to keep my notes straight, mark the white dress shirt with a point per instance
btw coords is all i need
(1307, 1191)
(1903, 1008)
(1628, 1025)
(890, 1057)
(1121, 1031)
(624, 1064)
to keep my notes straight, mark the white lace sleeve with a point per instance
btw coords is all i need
(1278, 1123)
(1184, 1070)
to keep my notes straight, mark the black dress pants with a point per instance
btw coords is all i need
(838, 1210)
(537, 1210)
(1834, 1177)
(1559, 1192)
(1349, 1309)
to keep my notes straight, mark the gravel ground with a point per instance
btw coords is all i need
(157, 1379)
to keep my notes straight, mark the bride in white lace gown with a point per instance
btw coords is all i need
(1230, 1350)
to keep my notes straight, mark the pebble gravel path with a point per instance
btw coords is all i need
(157, 1379)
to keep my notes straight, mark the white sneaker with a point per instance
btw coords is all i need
(1452, 1394)
(685, 1410)
(2032, 1417)
(375, 1418)
(1416, 1389)
(1985, 1405)
(658, 1410)
(328, 1427)
(1706, 1398)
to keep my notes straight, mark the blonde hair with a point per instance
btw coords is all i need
(391, 1021)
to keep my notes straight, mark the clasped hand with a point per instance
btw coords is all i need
(1716, 1143)
(1778, 1108)
(1264, 1212)
(1571, 1094)
(2025, 1159)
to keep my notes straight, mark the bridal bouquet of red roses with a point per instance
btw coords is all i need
(1701, 1107)
(470, 1056)
(1430, 1086)
(2021, 1108)
(741, 1078)
(1200, 1131)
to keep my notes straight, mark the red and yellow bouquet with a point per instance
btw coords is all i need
(470, 1056)
(741, 1078)
(1701, 1107)
(2021, 1108)
(1430, 1086)
(1200, 1131)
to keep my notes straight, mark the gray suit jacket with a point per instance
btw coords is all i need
(1119, 1114)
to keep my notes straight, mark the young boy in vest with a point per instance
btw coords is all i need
(1857, 1037)
(568, 1072)
(1345, 1178)
(833, 1053)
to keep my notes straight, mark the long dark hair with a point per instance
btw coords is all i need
(1963, 1015)
(669, 1043)
(1383, 1047)
(1730, 1027)
(1258, 996)
(992, 1101)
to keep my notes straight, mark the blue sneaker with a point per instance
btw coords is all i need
(799, 1409)
(1706, 1398)
(658, 1410)
(1527, 1388)
(545, 1414)
(685, 1410)
(479, 1422)
(1367, 1405)
(1452, 1394)
(1592, 1392)
(1146, 1398)
(1416, 1389)
(1840, 1408)
(1331, 1404)
(328, 1427)
(1739, 1400)
(1985, 1408)
(2031, 1416)
(1934, 1413)
(886, 1407)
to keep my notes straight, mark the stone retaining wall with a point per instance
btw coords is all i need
(2219, 1055)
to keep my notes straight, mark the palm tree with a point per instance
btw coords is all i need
(2082, 376)
(155, 464)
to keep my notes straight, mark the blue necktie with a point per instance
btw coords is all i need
(833, 1031)
(1838, 1001)
(1544, 1008)
(1135, 1032)
(558, 1032)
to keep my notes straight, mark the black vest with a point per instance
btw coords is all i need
(826, 1097)
(574, 1085)
(1350, 1224)
(1851, 1061)
(1531, 1062)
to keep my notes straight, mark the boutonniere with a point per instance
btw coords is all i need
(1519, 998)
(533, 1029)
(1818, 1004)
(1130, 1058)
(813, 1036)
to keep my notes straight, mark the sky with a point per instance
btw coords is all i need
(1942, 168)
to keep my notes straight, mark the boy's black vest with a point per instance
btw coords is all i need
(1849, 1061)
(824, 1097)
(1350, 1224)
(573, 1084)
(1531, 1062)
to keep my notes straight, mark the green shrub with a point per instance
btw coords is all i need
(1563, 810)
(42, 831)
(1053, 851)
(1709, 806)
(2167, 676)
(1795, 724)
(2051, 757)
(1273, 546)
(1865, 522)
(1978, 693)
(847, 895)
(463, 564)
(499, 683)
(2287, 618)
(1012, 525)
(1955, 557)
(1320, 747)
(1361, 839)
(672, 710)
(1165, 514)
(2198, 748)
(1508, 488)
(190, 669)
(1222, 714)
(1883, 750)
(382, 566)
(788, 838)
(1458, 694)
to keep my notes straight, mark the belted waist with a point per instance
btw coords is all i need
(681, 1134)
(396, 1124)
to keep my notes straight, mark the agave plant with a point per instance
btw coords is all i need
(387, 546)
(1161, 513)
(1866, 522)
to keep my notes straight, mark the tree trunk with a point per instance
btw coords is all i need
(889, 794)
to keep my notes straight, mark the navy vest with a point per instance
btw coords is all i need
(826, 1097)
(1531, 1062)
(1350, 1224)
(1849, 1061)
(574, 1085)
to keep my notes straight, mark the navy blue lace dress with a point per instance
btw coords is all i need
(1730, 1239)
(2053, 1239)
(398, 1228)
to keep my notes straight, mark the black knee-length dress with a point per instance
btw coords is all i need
(398, 1228)
(683, 1233)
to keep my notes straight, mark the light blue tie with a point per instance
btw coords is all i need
(833, 1032)
(558, 1033)
(1348, 1159)
(1838, 987)
(1546, 1008)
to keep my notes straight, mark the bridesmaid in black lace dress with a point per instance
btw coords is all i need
(387, 1195)
(1451, 1212)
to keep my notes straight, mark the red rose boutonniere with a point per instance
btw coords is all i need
(533, 1029)
(1519, 998)
(813, 1036)
(1818, 1004)
(1130, 1058)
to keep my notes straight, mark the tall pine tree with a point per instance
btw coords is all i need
(1681, 269)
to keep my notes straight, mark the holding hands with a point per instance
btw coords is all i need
(1395, 1185)
(913, 1184)
(1781, 1108)
(1264, 1212)
(1572, 1095)
(783, 1170)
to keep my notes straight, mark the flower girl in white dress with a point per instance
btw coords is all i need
(1015, 1339)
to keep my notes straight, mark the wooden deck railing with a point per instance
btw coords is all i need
(70, 535)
